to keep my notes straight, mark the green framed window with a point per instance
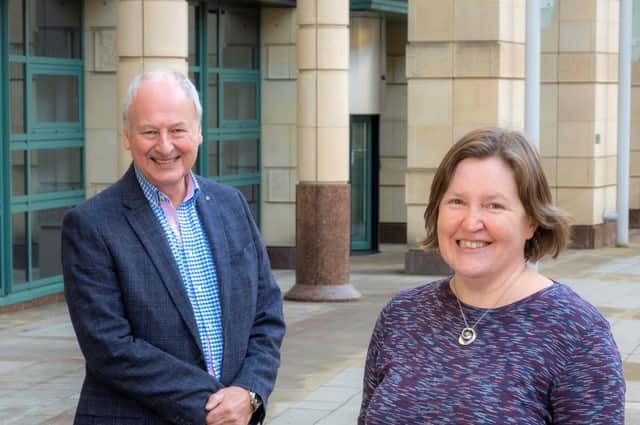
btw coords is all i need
(224, 64)
(42, 134)
(387, 6)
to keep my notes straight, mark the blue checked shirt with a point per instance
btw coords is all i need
(192, 253)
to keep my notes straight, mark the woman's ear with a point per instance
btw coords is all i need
(531, 229)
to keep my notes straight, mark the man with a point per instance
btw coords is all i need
(168, 282)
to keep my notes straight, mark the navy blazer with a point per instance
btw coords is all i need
(134, 321)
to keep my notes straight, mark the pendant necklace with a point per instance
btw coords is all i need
(468, 333)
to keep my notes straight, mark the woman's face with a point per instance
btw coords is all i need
(482, 225)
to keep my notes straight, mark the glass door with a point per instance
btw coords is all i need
(360, 176)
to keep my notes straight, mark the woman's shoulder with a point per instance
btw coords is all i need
(562, 305)
(430, 293)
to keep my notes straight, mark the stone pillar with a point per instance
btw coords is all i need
(102, 146)
(393, 137)
(322, 194)
(151, 34)
(278, 142)
(579, 113)
(465, 69)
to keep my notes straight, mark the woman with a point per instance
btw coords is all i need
(496, 343)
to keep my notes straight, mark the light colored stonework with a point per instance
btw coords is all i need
(580, 77)
(279, 145)
(465, 69)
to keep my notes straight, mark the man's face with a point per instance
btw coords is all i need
(163, 135)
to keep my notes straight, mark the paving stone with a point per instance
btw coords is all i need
(295, 416)
(346, 415)
(331, 394)
(632, 414)
(350, 378)
(633, 391)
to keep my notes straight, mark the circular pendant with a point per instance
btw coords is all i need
(467, 336)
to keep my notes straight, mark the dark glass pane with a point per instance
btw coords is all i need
(251, 193)
(16, 27)
(55, 28)
(194, 33)
(359, 176)
(212, 101)
(56, 170)
(212, 38)
(195, 79)
(55, 98)
(17, 95)
(239, 157)
(45, 242)
(19, 247)
(18, 173)
(240, 101)
(240, 48)
(212, 158)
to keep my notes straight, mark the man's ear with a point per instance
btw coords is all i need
(125, 139)
(199, 134)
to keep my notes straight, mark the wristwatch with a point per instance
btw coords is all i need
(254, 400)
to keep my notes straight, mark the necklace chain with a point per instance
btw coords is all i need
(468, 334)
(466, 324)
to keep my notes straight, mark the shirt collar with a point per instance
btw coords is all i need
(156, 197)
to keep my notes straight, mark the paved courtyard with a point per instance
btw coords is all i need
(41, 367)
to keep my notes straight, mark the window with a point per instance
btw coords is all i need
(224, 64)
(42, 135)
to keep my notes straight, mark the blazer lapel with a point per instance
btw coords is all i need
(144, 223)
(211, 222)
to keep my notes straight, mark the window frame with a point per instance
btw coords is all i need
(37, 136)
(227, 129)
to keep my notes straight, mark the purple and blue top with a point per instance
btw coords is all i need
(549, 358)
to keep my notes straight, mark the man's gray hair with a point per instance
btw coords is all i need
(181, 80)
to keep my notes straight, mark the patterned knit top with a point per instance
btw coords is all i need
(549, 358)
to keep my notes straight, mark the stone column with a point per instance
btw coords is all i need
(579, 113)
(322, 194)
(393, 137)
(465, 69)
(278, 142)
(151, 34)
(102, 145)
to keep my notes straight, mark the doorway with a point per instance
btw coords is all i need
(363, 176)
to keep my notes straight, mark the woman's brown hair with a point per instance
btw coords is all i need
(554, 224)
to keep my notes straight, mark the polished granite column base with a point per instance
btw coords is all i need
(634, 218)
(282, 257)
(392, 233)
(322, 244)
(418, 261)
(593, 236)
(301, 292)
